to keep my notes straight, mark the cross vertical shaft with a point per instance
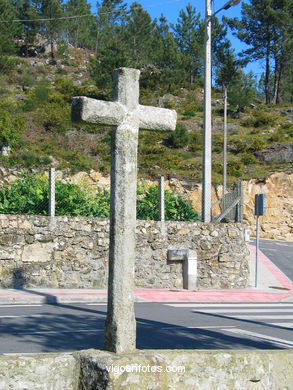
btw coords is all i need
(120, 328)
(128, 116)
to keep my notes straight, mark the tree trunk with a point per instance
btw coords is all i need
(267, 76)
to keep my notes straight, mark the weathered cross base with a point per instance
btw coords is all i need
(129, 116)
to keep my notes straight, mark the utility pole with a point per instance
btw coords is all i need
(206, 209)
(225, 148)
(207, 132)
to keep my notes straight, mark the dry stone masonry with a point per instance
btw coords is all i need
(73, 252)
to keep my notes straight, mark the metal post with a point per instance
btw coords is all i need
(225, 145)
(52, 192)
(240, 203)
(207, 131)
(256, 253)
(162, 204)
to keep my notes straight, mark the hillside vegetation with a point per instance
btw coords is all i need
(44, 64)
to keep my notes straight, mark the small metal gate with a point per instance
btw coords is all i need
(232, 206)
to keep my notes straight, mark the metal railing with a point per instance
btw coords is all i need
(232, 206)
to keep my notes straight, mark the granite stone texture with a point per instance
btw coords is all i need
(72, 252)
(149, 370)
(55, 371)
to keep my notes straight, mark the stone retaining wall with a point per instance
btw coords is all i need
(149, 370)
(72, 252)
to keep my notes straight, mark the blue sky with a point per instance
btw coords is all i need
(171, 8)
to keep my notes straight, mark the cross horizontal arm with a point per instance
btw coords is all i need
(96, 111)
(114, 113)
(155, 118)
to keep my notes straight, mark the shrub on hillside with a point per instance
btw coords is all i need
(180, 137)
(11, 129)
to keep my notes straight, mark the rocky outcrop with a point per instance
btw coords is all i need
(279, 153)
(277, 223)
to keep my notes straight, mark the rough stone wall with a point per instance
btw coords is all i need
(55, 371)
(185, 370)
(149, 370)
(72, 252)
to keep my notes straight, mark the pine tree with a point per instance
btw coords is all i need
(9, 30)
(79, 30)
(264, 27)
(28, 10)
(110, 22)
(188, 39)
(166, 57)
(139, 35)
(110, 42)
(242, 90)
(52, 29)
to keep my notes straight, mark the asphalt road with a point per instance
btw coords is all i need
(52, 328)
(280, 253)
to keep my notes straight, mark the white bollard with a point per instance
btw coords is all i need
(190, 271)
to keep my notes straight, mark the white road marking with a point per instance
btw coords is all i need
(270, 317)
(20, 305)
(59, 331)
(23, 316)
(283, 244)
(96, 304)
(264, 337)
(284, 324)
(196, 327)
(219, 305)
(228, 311)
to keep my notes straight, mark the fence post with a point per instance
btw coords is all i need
(239, 213)
(52, 192)
(162, 204)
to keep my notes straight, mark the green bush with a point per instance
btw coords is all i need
(11, 128)
(176, 208)
(180, 137)
(248, 159)
(28, 159)
(257, 144)
(8, 65)
(30, 196)
(261, 119)
(235, 168)
(25, 196)
(56, 117)
(37, 98)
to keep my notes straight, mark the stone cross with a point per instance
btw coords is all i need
(128, 116)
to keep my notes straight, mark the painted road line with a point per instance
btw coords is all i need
(195, 327)
(212, 305)
(270, 317)
(59, 332)
(263, 337)
(23, 316)
(96, 304)
(284, 324)
(19, 305)
(228, 311)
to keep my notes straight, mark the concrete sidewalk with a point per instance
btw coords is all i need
(272, 286)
